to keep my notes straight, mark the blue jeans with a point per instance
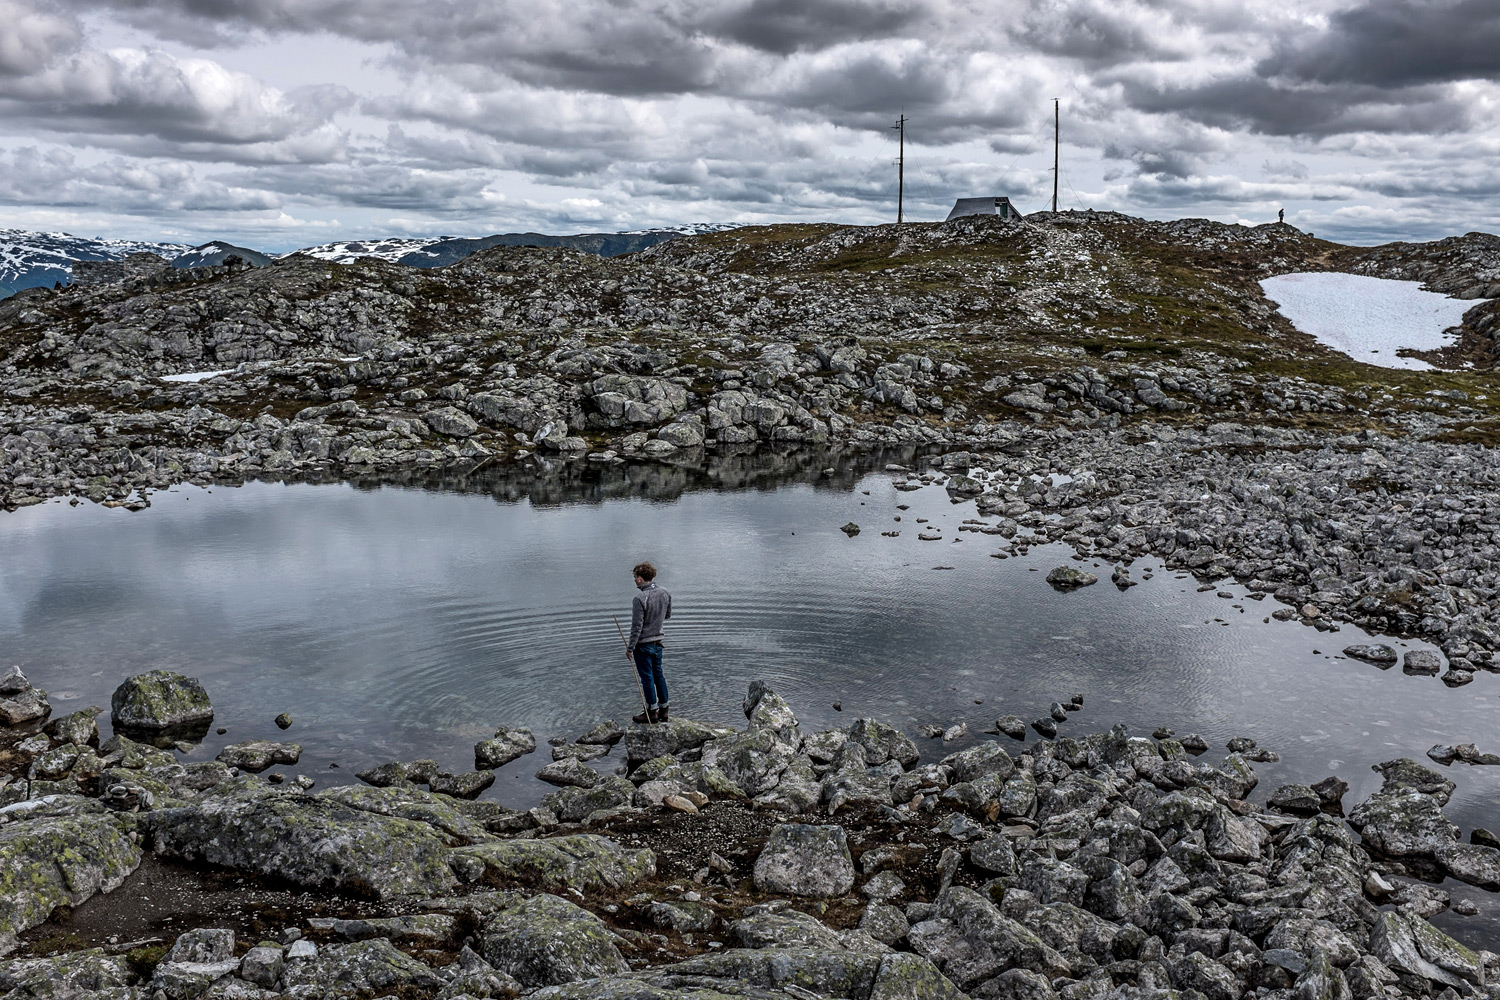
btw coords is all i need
(648, 666)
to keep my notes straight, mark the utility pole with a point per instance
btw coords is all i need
(900, 128)
(1056, 129)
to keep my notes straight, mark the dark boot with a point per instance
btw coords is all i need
(646, 717)
(661, 714)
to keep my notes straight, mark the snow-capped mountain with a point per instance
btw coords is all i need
(391, 248)
(29, 260)
(211, 254)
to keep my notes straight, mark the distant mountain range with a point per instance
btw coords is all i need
(29, 260)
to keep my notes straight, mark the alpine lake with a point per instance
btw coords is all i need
(398, 620)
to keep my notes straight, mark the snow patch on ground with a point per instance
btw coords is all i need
(1369, 319)
(197, 376)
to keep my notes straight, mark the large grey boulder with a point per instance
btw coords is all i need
(159, 699)
(1405, 941)
(1475, 864)
(305, 839)
(883, 743)
(804, 860)
(753, 760)
(450, 421)
(642, 743)
(574, 804)
(547, 940)
(257, 755)
(66, 851)
(826, 973)
(631, 399)
(505, 746)
(580, 862)
(787, 929)
(459, 821)
(19, 700)
(73, 974)
(374, 965)
(970, 941)
(1403, 823)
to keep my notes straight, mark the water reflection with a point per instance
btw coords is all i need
(395, 621)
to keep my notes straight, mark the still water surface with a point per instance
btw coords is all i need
(400, 622)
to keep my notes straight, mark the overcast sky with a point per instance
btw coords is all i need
(285, 123)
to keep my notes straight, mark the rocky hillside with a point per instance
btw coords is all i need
(1140, 359)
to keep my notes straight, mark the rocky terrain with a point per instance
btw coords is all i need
(1117, 384)
(682, 860)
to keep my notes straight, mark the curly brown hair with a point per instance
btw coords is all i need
(646, 572)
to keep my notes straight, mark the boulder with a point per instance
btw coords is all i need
(827, 973)
(505, 746)
(787, 929)
(74, 974)
(375, 965)
(1471, 863)
(1407, 942)
(580, 862)
(1068, 578)
(882, 743)
(459, 822)
(1422, 661)
(47, 861)
(970, 941)
(80, 728)
(450, 421)
(159, 700)
(1373, 653)
(257, 755)
(642, 743)
(1403, 823)
(305, 839)
(19, 700)
(803, 860)
(574, 804)
(547, 940)
(463, 785)
(753, 760)
(569, 771)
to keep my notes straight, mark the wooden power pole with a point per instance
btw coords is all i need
(1056, 129)
(900, 128)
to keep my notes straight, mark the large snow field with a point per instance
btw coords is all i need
(1369, 319)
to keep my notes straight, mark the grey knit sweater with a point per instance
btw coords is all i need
(648, 613)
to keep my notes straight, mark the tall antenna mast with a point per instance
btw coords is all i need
(1056, 129)
(900, 128)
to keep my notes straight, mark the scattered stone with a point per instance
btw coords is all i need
(1422, 661)
(284, 721)
(851, 529)
(1373, 653)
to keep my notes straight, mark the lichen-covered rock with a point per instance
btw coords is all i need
(396, 772)
(364, 965)
(262, 966)
(306, 839)
(74, 974)
(1406, 774)
(828, 973)
(804, 860)
(903, 976)
(768, 710)
(570, 772)
(465, 785)
(80, 728)
(574, 804)
(459, 821)
(19, 700)
(787, 929)
(1475, 864)
(642, 743)
(1068, 578)
(581, 862)
(1403, 823)
(882, 743)
(505, 746)
(656, 986)
(1407, 942)
(48, 861)
(450, 421)
(969, 940)
(257, 755)
(159, 699)
(753, 760)
(547, 940)
(884, 922)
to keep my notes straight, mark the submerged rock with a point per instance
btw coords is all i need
(1068, 578)
(505, 746)
(257, 755)
(158, 700)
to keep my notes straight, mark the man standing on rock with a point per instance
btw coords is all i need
(648, 614)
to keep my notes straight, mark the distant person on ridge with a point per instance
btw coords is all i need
(648, 613)
(1281, 215)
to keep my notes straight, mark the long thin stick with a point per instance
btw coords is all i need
(645, 707)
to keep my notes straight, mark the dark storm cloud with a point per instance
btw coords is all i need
(1396, 43)
(786, 26)
(1265, 106)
